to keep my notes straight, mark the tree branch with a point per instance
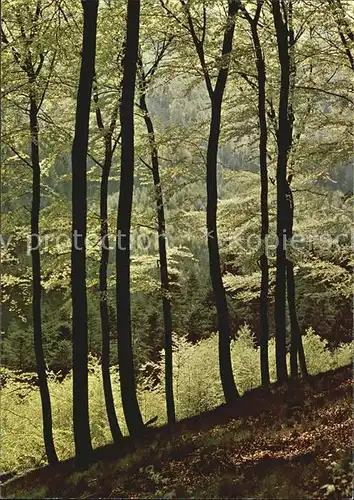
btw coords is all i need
(19, 155)
(328, 92)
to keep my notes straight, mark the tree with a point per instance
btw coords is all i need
(216, 98)
(263, 139)
(345, 33)
(82, 437)
(125, 352)
(284, 141)
(144, 79)
(32, 69)
(296, 347)
(109, 148)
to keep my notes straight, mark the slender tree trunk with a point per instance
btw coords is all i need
(216, 97)
(284, 140)
(36, 292)
(82, 437)
(295, 327)
(125, 350)
(302, 360)
(225, 364)
(297, 349)
(264, 323)
(166, 303)
(106, 376)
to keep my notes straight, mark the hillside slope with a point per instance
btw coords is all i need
(290, 443)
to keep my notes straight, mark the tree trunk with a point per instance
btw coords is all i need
(225, 364)
(261, 70)
(216, 97)
(294, 324)
(107, 383)
(284, 140)
(125, 351)
(302, 360)
(36, 292)
(82, 437)
(297, 349)
(166, 303)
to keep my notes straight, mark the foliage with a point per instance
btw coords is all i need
(196, 382)
(322, 187)
(245, 454)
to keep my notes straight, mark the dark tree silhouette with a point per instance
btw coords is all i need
(296, 347)
(36, 273)
(32, 72)
(297, 350)
(125, 351)
(82, 437)
(226, 374)
(216, 95)
(109, 147)
(344, 30)
(284, 141)
(263, 139)
(161, 228)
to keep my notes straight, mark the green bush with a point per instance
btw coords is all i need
(196, 383)
(320, 358)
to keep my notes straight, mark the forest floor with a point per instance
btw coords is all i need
(293, 442)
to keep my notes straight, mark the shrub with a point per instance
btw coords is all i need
(196, 383)
(320, 358)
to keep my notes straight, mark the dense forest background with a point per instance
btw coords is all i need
(171, 78)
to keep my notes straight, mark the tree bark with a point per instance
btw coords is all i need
(107, 134)
(295, 328)
(284, 140)
(296, 347)
(125, 351)
(32, 73)
(264, 264)
(297, 350)
(106, 376)
(36, 273)
(345, 33)
(82, 437)
(302, 360)
(166, 303)
(225, 364)
(216, 97)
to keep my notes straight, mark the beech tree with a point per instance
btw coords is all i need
(144, 78)
(296, 347)
(82, 435)
(110, 145)
(216, 94)
(193, 116)
(344, 29)
(125, 352)
(284, 141)
(31, 62)
(263, 140)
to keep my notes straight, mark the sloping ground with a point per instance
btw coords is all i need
(292, 442)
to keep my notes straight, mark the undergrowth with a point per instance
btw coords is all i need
(196, 384)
